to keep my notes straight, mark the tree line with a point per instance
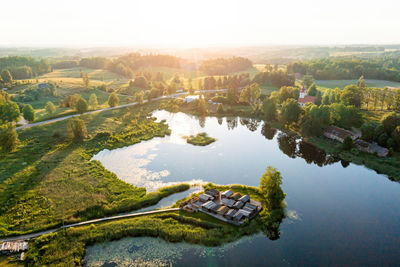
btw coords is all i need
(224, 66)
(349, 68)
(126, 65)
(22, 68)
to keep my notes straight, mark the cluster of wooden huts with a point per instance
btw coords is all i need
(226, 206)
(13, 247)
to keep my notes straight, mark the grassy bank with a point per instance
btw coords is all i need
(388, 165)
(50, 180)
(67, 247)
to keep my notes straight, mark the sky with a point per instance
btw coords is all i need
(188, 23)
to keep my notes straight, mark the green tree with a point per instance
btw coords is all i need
(308, 80)
(368, 131)
(29, 113)
(140, 97)
(81, 105)
(396, 136)
(351, 95)
(8, 137)
(309, 127)
(9, 112)
(113, 100)
(269, 108)
(6, 76)
(361, 82)
(93, 101)
(78, 128)
(348, 143)
(318, 98)
(85, 80)
(390, 122)
(270, 187)
(312, 90)
(50, 108)
(290, 111)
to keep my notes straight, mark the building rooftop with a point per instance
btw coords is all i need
(339, 132)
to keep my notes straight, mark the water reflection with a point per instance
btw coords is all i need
(268, 131)
(287, 144)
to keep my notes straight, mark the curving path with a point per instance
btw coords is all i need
(28, 125)
(116, 217)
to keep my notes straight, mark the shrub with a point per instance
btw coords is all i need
(81, 105)
(113, 100)
(77, 128)
(29, 113)
(50, 108)
(348, 143)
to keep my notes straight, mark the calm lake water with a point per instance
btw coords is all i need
(338, 213)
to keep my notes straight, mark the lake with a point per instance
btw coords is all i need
(338, 213)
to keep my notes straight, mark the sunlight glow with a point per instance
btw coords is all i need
(181, 23)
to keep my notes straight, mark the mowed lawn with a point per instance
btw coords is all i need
(324, 84)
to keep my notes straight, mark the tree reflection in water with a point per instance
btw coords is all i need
(251, 124)
(202, 121)
(287, 144)
(232, 122)
(268, 131)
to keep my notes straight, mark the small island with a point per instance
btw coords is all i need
(200, 139)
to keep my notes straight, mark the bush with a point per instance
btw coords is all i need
(348, 143)
(50, 108)
(113, 100)
(8, 137)
(29, 113)
(77, 128)
(81, 105)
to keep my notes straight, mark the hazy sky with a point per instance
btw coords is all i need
(188, 23)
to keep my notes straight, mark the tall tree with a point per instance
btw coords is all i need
(9, 112)
(361, 82)
(6, 76)
(93, 101)
(270, 187)
(29, 113)
(8, 137)
(312, 90)
(351, 95)
(318, 98)
(81, 105)
(50, 108)
(113, 100)
(77, 128)
(85, 80)
(290, 111)
(308, 80)
(269, 108)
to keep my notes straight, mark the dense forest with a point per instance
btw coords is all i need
(125, 65)
(24, 67)
(277, 78)
(380, 68)
(224, 66)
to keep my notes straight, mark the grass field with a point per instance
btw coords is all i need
(332, 84)
(50, 178)
(67, 247)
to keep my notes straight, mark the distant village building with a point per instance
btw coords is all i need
(304, 98)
